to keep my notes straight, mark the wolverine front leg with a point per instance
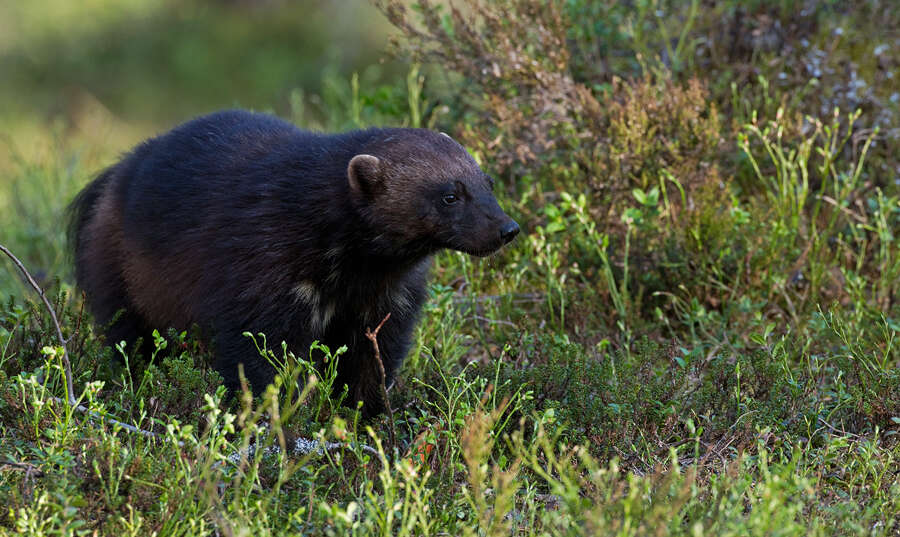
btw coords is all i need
(359, 369)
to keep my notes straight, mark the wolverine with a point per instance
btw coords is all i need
(239, 222)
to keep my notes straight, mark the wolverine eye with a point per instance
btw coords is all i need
(450, 199)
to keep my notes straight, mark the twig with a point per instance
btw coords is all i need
(493, 321)
(835, 430)
(27, 467)
(848, 212)
(70, 392)
(516, 298)
(113, 421)
(373, 337)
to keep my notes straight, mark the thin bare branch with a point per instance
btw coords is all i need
(373, 337)
(70, 391)
(113, 421)
(67, 365)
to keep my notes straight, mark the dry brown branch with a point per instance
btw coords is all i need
(373, 337)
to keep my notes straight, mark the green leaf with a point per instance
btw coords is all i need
(640, 196)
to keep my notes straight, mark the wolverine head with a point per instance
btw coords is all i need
(422, 190)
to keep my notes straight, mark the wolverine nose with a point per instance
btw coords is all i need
(509, 231)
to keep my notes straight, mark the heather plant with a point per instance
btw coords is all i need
(528, 109)
(520, 64)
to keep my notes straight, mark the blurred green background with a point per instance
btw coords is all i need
(82, 82)
(113, 71)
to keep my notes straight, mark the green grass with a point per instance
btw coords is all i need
(694, 335)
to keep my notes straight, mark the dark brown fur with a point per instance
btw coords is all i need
(241, 222)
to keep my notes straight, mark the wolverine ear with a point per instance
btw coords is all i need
(364, 173)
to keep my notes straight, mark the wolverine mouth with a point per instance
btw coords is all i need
(482, 252)
(488, 247)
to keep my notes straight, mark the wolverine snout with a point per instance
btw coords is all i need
(509, 231)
